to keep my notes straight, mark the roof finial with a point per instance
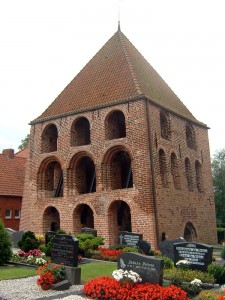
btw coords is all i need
(118, 15)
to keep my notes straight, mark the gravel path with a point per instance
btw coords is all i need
(27, 289)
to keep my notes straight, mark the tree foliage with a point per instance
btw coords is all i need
(24, 142)
(5, 245)
(218, 171)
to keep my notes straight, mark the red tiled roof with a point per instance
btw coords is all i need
(12, 174)
(22, 153)
(118, 72)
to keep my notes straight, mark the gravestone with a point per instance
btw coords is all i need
(65, 250)
(144, 246)
(167, 249)
(198, 255)
(129, 238)
(89, 231)
(49, 236)
(150, 269)
(14, 236)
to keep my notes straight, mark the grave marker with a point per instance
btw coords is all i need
(65, 250)
(198, 255)
(149, 268)
(89, 230)
(129, 238)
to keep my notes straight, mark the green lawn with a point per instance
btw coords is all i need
(88, 271)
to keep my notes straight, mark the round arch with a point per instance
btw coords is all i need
(51, 219)
(190, 233)
(83, 216)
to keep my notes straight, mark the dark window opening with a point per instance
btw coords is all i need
(85, 176)
(198, 174)
(165, 126)
(121, 171)
(115, 126)
(49, 139)
(80, 133)
(175, 171)
(190, 137)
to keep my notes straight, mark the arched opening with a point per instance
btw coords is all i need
(175, 171)
(190, 136)
(80, 132)
(50, 178)
(190, 234)
(85, 177)
(198, 175)
(83, 217)
(121, 176)
(115, 126)
(51, 219)
(165, 125)
(119, 220)
(188, 172)
(49, 139)
(163, 168)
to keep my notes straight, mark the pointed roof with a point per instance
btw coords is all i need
(12, 172)
(117, 73)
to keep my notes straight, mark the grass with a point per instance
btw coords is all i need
(88, 271)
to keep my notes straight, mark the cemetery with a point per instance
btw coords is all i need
(134, 270)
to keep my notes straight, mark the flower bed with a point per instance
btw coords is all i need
(109, 288)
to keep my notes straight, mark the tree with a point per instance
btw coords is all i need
(5, 245)
(218, 171)
(24, 142)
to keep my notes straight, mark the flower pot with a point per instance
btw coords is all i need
(46, 286)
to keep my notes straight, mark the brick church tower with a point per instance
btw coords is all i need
(118, 150)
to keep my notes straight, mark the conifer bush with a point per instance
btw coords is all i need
(28, 242)
(5, 245)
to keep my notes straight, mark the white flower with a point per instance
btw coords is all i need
(196, 282)
(183, 262)
(40, 261)
(121, 274)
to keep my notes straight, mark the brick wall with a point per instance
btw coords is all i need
(174, 207)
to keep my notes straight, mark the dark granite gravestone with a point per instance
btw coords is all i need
(49, 236)
(144, 246)
(64, 250)
(129, 239)
(149, 269)
(89, 231)
(167, 249)
(198, 255)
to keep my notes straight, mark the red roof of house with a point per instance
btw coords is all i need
(117, 73)
(12, 173)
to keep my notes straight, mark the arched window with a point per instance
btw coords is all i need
(175, 171)
(80, 132)
(121, 176)
(190, 234)
(49, 139)
(190, 136)
(50, 179)
(163, 168)
(165, 125)
(115, 126)
(188, 172)
(85, 177)
(198, 174)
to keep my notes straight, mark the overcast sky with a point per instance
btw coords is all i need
(45, 43)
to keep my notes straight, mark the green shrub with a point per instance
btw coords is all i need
(61, 231)
(5, 245)
(220, 234)
(218, 272)
(130, 249)
(28, 242)
(168, 263)
(46, 249)
(187, 275)
(209, 295)
(223, 253)
(88, 242)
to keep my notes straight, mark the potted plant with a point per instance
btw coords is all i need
(50, 274)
